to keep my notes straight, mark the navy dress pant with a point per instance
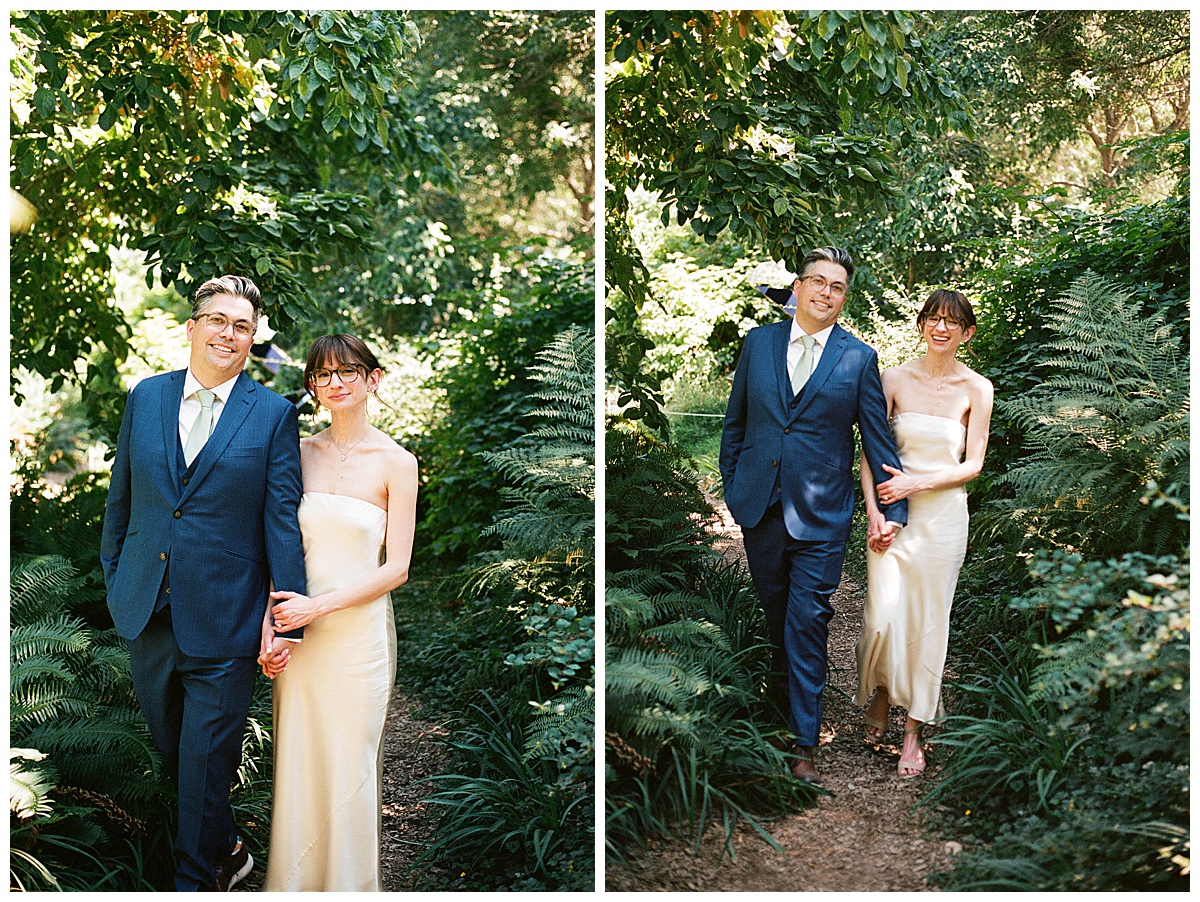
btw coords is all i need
(795, 582)
(196, 709)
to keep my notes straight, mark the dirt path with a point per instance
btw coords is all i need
(411, 752)
(863, 838)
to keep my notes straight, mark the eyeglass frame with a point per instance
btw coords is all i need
(834, 291)
(242, 329)
(951, 323)
(315, 375)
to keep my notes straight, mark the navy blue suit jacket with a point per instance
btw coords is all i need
(220, 530)
(806, 440)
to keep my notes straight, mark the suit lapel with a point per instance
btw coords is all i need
(237, 408)
(172, 398)
(834, 348)
(779, 349)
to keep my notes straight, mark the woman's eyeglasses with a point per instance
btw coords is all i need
(347, 374)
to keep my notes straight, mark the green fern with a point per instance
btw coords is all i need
(525, 779)
(1111, 420)
(70, 698)
(551, 510)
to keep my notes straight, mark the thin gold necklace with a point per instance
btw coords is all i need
(349, 447)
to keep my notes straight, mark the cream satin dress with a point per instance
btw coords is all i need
(330, 707)
(910, 588)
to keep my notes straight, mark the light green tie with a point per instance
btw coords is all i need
(804, 366)
(201, 428)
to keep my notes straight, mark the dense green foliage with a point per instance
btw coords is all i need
(208, 140)
(686, 664)
(1078, 746)
(1109, 422)
(483, 374)
(97, 789)
(517, 811)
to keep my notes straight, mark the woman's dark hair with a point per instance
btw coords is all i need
(947, 303)
(340, 349)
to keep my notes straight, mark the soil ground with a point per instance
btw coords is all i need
(863, 837)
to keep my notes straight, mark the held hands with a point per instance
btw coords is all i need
(273, 654)
(294, 610)
(880, 533)
(900, 486)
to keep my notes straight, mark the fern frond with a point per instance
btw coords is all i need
(1111, 418)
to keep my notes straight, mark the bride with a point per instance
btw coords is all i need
(331, 691)
(940, 413)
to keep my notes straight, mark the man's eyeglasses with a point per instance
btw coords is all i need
(347, 374)
(819, 284)
(218, 321)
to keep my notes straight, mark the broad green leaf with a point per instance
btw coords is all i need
(44, 101)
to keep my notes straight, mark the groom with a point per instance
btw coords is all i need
(787, 462)
(201, 518)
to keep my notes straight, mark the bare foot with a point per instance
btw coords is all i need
(875, 718)
(912, 755)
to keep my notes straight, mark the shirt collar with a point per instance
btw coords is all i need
(191, 385)
(821, 338)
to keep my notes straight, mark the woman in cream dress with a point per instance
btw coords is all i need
(940, 412)
(332, 688)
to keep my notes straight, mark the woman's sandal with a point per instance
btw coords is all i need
(875, 728)
(916, 765)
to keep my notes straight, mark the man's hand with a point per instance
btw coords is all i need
(274, 657)
(880, 533)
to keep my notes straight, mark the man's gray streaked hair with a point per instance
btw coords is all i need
(238, 286)
(834, 255)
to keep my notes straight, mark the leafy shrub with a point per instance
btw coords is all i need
(686, 663)
(1085, 749)
(508, 818)
(486, 386)
(519, 807)
(1111, 419)
(1144, 248)
(101, 813)
(654, 513)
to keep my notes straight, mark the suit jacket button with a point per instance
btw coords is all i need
(185, 480)
(787, 431)
(774, 463)
(793, 404)
(168, 590)
(162, 555)
(178, 514)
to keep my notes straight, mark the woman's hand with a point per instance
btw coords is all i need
(274, 661)
(879, 535)
(294, 610)
(900, 486)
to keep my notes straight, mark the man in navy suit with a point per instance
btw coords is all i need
(201, 519)
(787, 461)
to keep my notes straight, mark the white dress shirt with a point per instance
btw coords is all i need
(189, 408)
(796, 347)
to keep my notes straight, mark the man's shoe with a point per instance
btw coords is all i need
(236, 865)
(804, 766)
